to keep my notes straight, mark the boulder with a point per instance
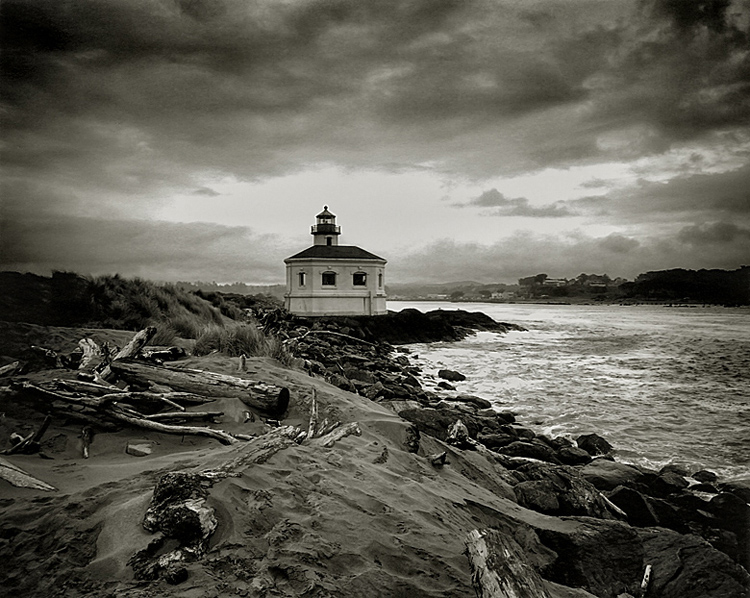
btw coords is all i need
(571, 493)
(686, 566)
(594, 444)
(495, 441)
(741, 489)
(445, 385)
(668, 482)
(602, 557)
(139, 448)
(451, 375)
(607, 475)
(531, 450)
(571, 455)
(477, 402)
(636, 506)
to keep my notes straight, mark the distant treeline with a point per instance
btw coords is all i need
(724, 287)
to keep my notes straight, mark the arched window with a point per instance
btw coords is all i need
(380, 280)
(360, 279)
(302, 279)
(329, 279)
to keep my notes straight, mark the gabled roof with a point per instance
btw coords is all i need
(335, 252)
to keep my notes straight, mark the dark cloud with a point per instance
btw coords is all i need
(108, 107)
(516, 206)
(159, 250)
(715, 233)
(206, 191)
(693, 197)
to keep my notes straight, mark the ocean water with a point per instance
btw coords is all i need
(662, 384)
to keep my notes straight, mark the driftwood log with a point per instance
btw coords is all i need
(266, 398)
(30, 444)
(107, 407)
(130, 350)
(21, 479)
(92, 355)
(499, 568)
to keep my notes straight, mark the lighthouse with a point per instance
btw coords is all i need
(328, 279)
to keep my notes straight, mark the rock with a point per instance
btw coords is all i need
(412, 439)
(342, 382)
(445, 385)
(438, 459)
(594, 444)
(686, 566)
(561, 442)
(458, 436)
(494, 441)
(680, 470)
(175, 575)
(607, 475)
(477, 402)
(702, 487)
(741, 489)
(571, 455)
(531, 450)
(705, 477)
(668, 483)
(139, 449)
(604, 558)
(639, 510)
(559, 490)
(375, 391)
(433, 422)
(733, 515)
(451, 375)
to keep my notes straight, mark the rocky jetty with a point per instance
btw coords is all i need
(553, 476)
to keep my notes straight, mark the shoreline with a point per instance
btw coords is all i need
(425, 471)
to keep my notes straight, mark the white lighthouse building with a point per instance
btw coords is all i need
(329, 279)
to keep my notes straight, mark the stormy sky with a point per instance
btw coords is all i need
(458, 139)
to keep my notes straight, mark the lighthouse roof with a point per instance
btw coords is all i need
(325, 213)
(335, 252)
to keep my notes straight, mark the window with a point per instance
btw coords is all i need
(301, 279)
(329, 279)
(329, 241)
(380, 279)
(360, 279)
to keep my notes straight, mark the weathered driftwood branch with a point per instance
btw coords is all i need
(10, 369)
(313, 423)
(257, 450)
(131, 349)
(30, 444)
(266, 398)
(92, 355)
(499, 568)
(87, 387)
(221, 436)
(21, 479)
(183, 415)
(107, 407)
(331, 438)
